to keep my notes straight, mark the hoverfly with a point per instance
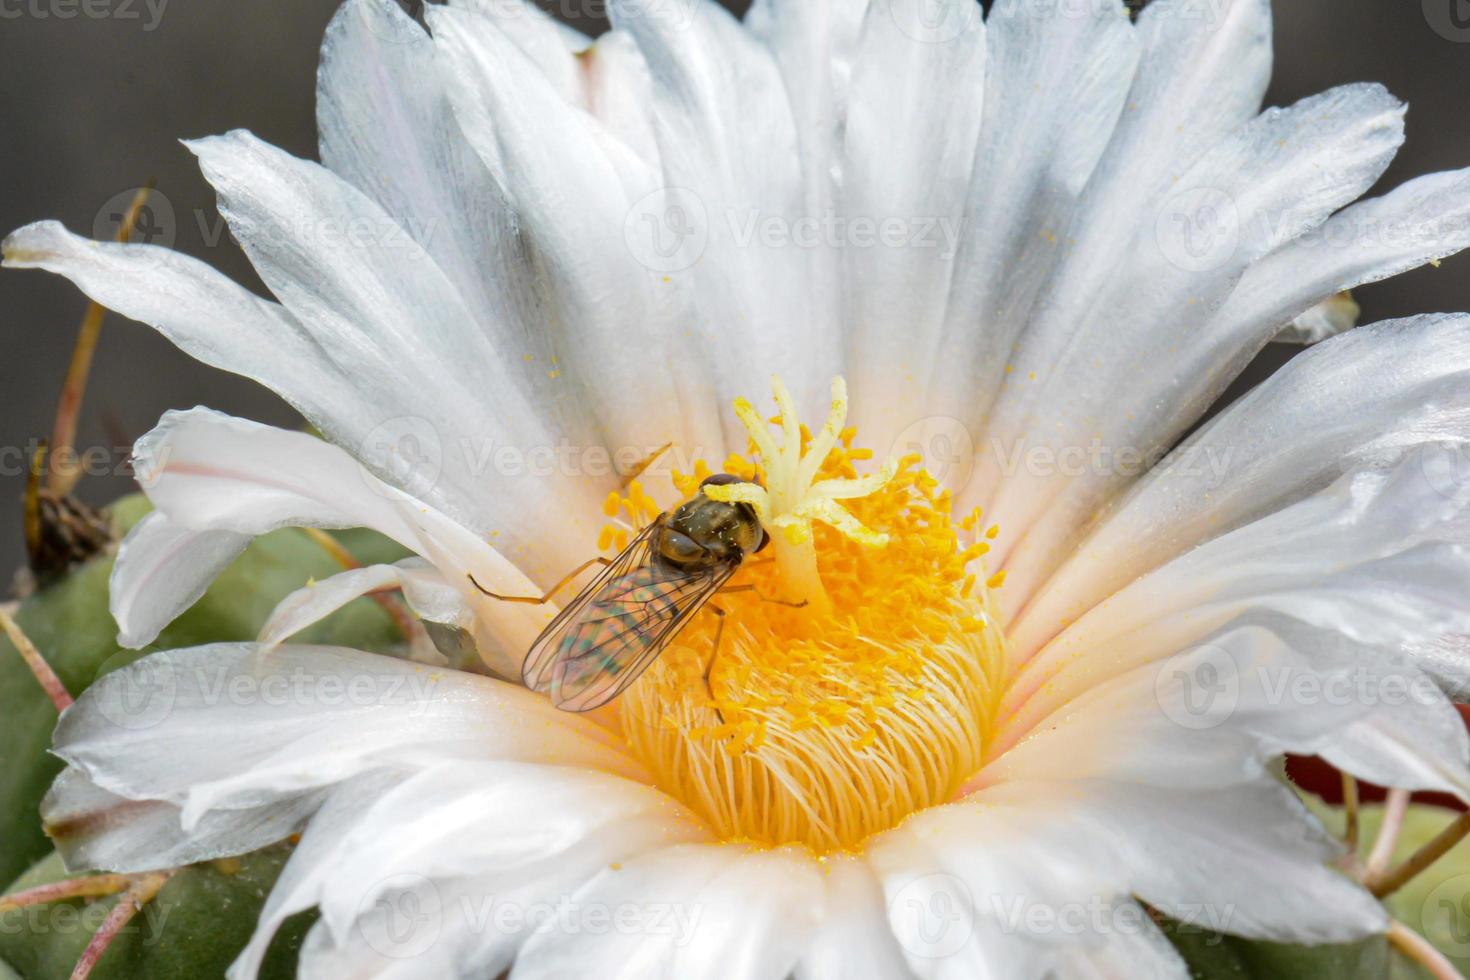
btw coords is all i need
(618, 625)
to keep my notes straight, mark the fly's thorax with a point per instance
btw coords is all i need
(720, 531)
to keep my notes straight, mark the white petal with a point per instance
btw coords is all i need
(1199, 78)
(1368, 397)
(98, 830)
(551, 830)
(1447, 660)
(162, 569)
(428, 595)
(1208, 710)
(854, 941)
(999, 890)
(448, 637)
(356, 405)
(1381, 533)
(815, 48)
(731, 163)
(1415, 743)
(1135, 793)
(220, 481)
(1144, 953)
(1424, 220)
(1055, 85)
(208, 317)
(1278, 176)
(606, 78)
(617, 88)
(550, 44)
(1031, 868)
(1365, 560)
(738, 914)
(814, 45)
(322, 842)
(235, 735)
(575, 184)
(387, 128)
(373, 298)
(908, 157)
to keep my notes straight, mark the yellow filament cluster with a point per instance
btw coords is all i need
(629, 512)
(823, 726)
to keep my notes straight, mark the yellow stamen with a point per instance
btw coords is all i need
(822, 726)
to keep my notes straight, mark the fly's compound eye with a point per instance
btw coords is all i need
(721, 480)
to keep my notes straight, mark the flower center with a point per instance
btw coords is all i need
(826, 722)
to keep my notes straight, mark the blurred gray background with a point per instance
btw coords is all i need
(91, 106)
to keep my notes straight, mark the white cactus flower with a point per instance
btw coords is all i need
(1037, 245)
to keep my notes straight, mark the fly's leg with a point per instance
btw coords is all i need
(642, 467)
(633, 474)
(762, 596)
(714, 655)
(533, 600)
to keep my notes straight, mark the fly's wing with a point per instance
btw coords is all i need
(536, 672)
(609, 634)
